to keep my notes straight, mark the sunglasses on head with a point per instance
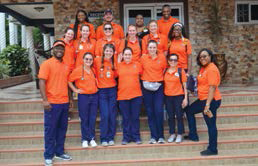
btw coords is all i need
(172, 60)
(107, 29)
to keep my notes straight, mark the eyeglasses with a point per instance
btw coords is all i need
(107, 29)
(204, 56)
(172, 60)
(88, 59)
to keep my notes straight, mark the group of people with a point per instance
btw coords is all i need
(114, 73)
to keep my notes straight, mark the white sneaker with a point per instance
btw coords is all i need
(93, 143)
(179, 138)
(111, 143)
(172, 138)
(48, 162)
(85, 144)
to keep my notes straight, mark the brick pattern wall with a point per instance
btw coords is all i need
(238, 42)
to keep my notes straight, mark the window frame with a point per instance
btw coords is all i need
(249, 3)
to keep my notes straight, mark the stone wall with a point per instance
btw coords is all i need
(238, 42)
(23, 1)
(65, 10)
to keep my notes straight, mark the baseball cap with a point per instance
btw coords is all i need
(108, 11)
(59, 43)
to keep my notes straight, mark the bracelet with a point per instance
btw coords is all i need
(207, 105)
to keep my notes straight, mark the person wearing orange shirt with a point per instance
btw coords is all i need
(69, 56)
(134, 42)
(166, 21)
(106, 74)
(53, 79)
(140, 28)
(84, 44)
(180, 45)
(209, 100)
(108, 39)
(175, 97)
(129, 96)
(161, 40)
(86, 87)
(81, 18)
(154, 65)
(108, 18)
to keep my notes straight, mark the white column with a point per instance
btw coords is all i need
(15, 33)
(30, 47)
(11, 31)
(46, 39)
(2, 32)
(52, 40)
(23, 36)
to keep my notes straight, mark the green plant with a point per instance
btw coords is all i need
(4, 68)
(18, 60)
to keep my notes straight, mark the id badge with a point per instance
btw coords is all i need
(176, 74)
(80, 47)
(108, 74)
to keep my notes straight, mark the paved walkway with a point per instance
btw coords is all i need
(28, 91)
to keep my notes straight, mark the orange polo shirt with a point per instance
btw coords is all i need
(165, 25)
(135, 46)
(160, 39)
(153, 69)
(173, 86)
(56, 75)
(208, 75)
(182, 48)
(83, 47)
(69, 55)
(92, 30)
(105, 77)
(129, 80)
(101, 43)
(88, 84)
(118, 31)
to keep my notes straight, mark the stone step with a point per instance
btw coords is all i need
(138, 152)
(74, 138)
(28, 106)
(37, 125)
(224, 109)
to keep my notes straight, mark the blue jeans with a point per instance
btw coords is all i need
(153, 102)
(55, 127)
(197, 107)
(108, 112)
(88, 107)
(131, 124)
(174, 109)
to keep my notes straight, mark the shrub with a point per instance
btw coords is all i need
(4, 68)
(18, 60)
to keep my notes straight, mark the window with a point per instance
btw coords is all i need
(150, 11)
(246, 12)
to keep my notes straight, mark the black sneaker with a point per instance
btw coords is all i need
(64, 156)
(186, 137)
(208, 153)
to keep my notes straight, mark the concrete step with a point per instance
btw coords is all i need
(138, 152)
(28, 106)
(224, 109)
(74, 137)
(37, 125)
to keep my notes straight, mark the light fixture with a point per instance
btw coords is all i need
(39, 9)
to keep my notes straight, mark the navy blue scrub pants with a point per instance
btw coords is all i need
(130, 110)
(174, 109)
(153, 102)
(108, 112)
(197, 107)
(55, 127)
(88, 107)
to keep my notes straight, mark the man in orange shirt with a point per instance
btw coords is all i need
(117, 29)
(166, 21)
(53, 85)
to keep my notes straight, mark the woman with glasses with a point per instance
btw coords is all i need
(180, 45)
(108, 39)
(129, 96)
(154, 65)
(86, 87)
(161, 40)
(209, 100)
(175, 97)
(84, 44)
(106, 75)
(81, 18)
